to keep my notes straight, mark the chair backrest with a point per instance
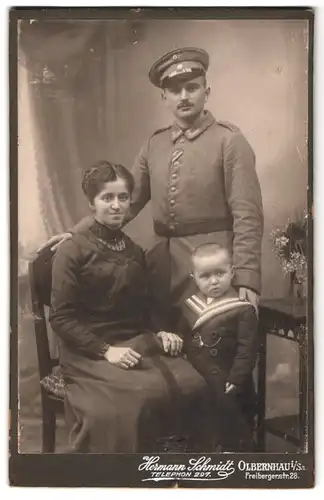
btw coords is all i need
(40, 280)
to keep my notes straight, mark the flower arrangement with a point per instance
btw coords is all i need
(290, 246)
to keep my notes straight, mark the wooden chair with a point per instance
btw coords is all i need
(52, 390)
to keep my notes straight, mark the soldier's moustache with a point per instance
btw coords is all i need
(185, 104)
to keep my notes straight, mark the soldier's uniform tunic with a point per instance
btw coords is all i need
(204, 188)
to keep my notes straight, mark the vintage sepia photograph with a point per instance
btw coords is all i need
(161, 165)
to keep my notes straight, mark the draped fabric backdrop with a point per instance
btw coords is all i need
(63, 127)
(64, 66)
(66, 77)
(84, 95)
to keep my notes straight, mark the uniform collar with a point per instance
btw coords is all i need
(201, 124)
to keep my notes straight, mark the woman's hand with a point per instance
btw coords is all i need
(124, 357)
(55, 241)
(172, 343)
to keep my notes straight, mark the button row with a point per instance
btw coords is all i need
(175, 162)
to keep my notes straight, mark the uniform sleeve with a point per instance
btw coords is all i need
(84, 223)
(66, 318)
(245, 202)
(142, 192)
(247, 347)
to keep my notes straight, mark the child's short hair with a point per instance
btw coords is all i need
(206, 249)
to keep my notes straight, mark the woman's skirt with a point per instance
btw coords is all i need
(112, 410)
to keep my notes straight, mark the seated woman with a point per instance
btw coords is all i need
(124, 381)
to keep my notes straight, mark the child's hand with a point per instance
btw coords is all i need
(229, 388)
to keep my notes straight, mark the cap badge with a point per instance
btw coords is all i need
(179, 71)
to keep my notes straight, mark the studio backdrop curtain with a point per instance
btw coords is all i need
(66, 67)
(68, 107)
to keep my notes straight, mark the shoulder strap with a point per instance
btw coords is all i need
(158, 131)
(228, 125)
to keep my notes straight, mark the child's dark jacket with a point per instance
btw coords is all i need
(221, 339)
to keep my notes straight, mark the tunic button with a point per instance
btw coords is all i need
(174, 176)
(172, 227)
(176, 163)
(173, 189)
(172, 214)
(172, 202)
(213, 352)
(182, 140)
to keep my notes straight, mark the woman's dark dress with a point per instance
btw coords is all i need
(99, 298)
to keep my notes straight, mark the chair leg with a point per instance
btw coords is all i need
(48, 431)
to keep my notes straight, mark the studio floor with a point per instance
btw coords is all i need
(30, 439)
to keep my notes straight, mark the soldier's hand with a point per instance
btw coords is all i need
(171, 342)
(55, 241)
(250, 296)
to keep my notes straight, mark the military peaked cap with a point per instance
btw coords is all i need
(184, 61)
